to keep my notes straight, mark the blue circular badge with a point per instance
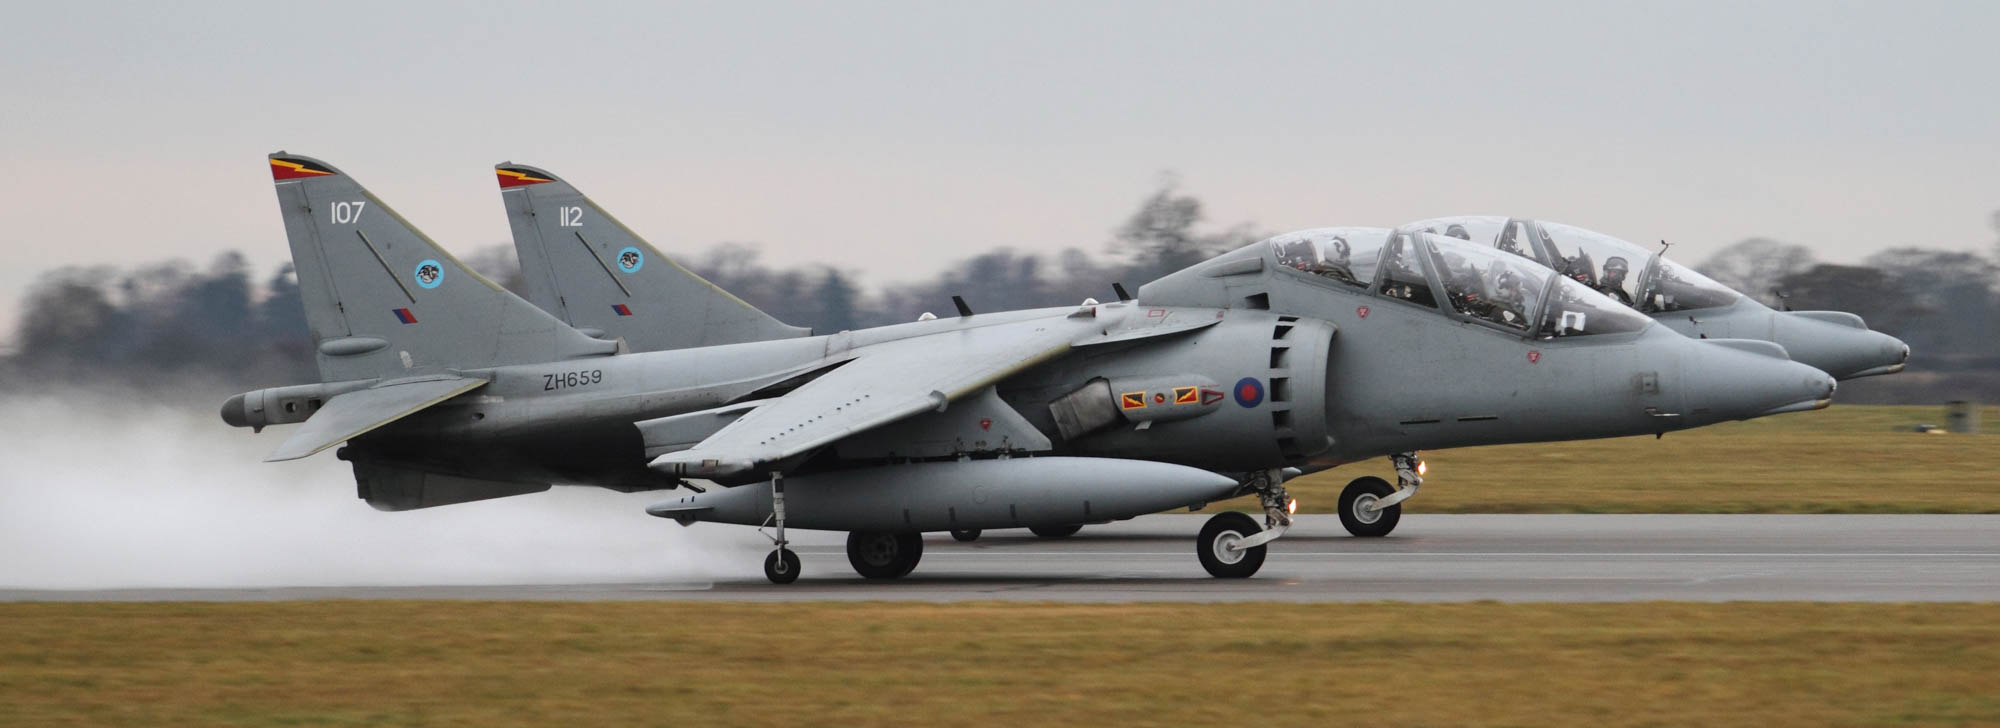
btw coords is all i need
(429, 274)
(1249, 392)
(631, 260)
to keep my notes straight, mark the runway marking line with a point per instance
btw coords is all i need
(1377, 554)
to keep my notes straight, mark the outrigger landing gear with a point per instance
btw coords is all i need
(1231, 545)
(782, 566)
(1370, 508)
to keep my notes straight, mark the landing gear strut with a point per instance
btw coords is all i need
(1231, 545)
(1370, 508)
(782, 566)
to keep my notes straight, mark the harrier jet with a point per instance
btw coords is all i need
(1290, 355)
(1835, 342)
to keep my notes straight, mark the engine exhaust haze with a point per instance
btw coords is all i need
(103, 492)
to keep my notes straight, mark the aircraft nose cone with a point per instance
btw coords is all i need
(1736, 384)
(1845, 351)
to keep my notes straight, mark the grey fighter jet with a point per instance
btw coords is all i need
(1838, 343)
(1290, 355)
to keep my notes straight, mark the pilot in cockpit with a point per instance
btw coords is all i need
(1510, 303)
(1339, 263)
(1613, 285)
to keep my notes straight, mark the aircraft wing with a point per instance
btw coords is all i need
(881, 384)
(350, 415)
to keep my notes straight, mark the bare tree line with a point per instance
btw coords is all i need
(226, 327)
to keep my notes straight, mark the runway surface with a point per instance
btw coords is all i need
(1432, 558)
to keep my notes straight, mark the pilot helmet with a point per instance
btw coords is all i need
(1615, 263)
(1457, 231)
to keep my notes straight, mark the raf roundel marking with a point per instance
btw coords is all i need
(1534, 357)
(429, 274)
(631, 260)
(1249, 392)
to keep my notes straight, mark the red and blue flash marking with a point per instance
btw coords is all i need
(621, 309)
(404, 315)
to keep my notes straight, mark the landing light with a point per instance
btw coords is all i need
(1292, 507)
(1422, 467)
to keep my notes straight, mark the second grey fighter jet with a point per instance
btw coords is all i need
(1681, 299)
(1294, 354)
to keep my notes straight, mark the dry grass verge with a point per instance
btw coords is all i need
(684, 664)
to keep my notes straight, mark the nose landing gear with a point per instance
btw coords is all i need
(1370, 507)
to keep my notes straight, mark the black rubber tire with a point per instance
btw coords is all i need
(968, 535)
(1056, 531)
(884, 555)
(782, 566)
(1225, 524)
(911, 546)
(1385, 521)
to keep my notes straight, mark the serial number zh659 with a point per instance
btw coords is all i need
(568, 380)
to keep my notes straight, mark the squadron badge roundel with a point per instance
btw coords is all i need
(1249, 392)
(630, 260)
(429, 274)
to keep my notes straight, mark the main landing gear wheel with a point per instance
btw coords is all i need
(782, 566)
(1359, 511)
(884, 555)
(1056, 531)
(970, 534)
(1216, 546)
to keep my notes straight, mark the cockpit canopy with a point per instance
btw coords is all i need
(1469, 280)
(1628, 273)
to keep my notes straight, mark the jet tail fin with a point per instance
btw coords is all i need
(383, 300)
(581, 264)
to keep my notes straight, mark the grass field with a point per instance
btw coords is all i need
(1845, 459)
(682, 664)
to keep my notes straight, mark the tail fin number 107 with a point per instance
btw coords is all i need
(347, 213)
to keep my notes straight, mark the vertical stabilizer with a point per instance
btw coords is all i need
(383, 301)
(588, 269)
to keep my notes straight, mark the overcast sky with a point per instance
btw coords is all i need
(893, 138)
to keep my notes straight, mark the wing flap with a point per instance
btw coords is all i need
(353, 414)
